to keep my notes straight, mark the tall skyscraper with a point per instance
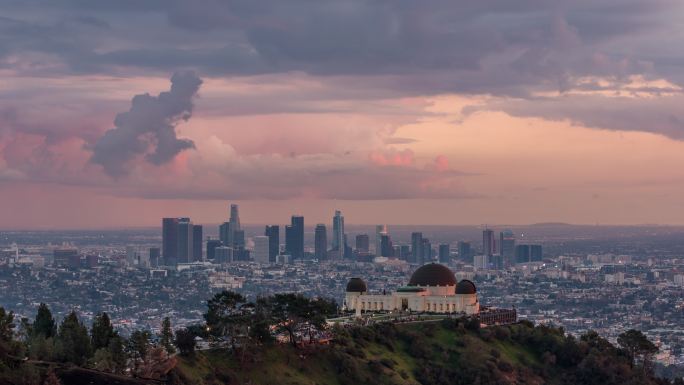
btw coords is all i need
(261, 249)
(170, 241)
(464, 252)
(234, 218)
(444, 256)
(386, 247)
(224, 231)
(536, 253)
(416, 247)
(379, 231)
(273, 234)
(362, 243)
(338, 240)
(212, 244)
(294, 237)
(185, 229)
(507, 247)
(321, 242)
(197, 242)
(488, 242)
(427, 252)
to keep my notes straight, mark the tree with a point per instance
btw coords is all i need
(102, 331)
(294, 313)
(73, 342)
(44, 324)
(111, 358)
(138, 346)
(167, 336)
(10, 349)
(221, 311)
(637, 346)
(185, 341)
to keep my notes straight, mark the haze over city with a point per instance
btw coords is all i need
(437, 112)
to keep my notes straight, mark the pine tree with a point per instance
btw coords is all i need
(44, 324)
(102, 331)
(73, 342)
(167, 336)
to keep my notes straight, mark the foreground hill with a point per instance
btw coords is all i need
(445, 352)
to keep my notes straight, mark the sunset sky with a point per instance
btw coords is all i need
(116, 113)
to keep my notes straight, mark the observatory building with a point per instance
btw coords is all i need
(432, 288)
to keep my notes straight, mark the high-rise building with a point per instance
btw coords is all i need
(294, 237)
(321, 242)
(230, 233)
(488, 242)
(223, 254)
(507, 247)
(234, 217)
(273, 234)
(338, 239)
(536, 253)
(362, 243)
(405, 252)
(212, 244)
(261, 249)
(224, 231)
(416, 248)
(238, 239)
(386, 247)
(170, 241)
(427, 251)
(65, 257)
(185, 237)
(379, 231)
(444, 256)
(154, 254)
(528, 253)
(197, 242)
(464, 252)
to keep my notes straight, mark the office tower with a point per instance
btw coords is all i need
(197, 242)
(528, 253)
(170, 241)
(155, 254)
(212, 244)
(405, 252)
(224, 229)
(273, 234)
(91, 261)
(416, 247)
(261, 249)
(464, 253)
(427, 251)
(64, 257)
(379, 231)
(338, 242)
(386, 247)
(184, 240)
(488, 242)
(321, 242)
(507, 247)
(536, 253)
(444, 256)
(238, 239)
(294, 237)
(223, 254)
(481, 262)
(234, 218)
(362, 243)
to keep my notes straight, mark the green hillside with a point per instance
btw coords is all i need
(445, 352)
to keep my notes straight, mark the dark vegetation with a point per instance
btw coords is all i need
(244, 350)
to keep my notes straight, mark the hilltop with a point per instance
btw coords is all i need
(445, 352)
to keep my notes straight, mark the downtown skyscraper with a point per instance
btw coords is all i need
(273, 234)
(338, 241)
(321, 242)
(294, 237)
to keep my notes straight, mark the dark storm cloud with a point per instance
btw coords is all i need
(149, 127)
(496, 46)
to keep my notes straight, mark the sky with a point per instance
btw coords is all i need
(115, 114)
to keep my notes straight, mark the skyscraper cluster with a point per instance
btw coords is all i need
(181, 241)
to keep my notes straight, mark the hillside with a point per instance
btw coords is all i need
(446, 352)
